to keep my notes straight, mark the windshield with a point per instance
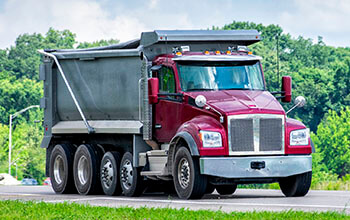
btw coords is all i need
(243, 75)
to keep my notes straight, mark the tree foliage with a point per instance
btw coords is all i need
(333, 141)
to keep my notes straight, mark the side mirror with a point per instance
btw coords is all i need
(287, 88)
(153, 89)
(300, 101)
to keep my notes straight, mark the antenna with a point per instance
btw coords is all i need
(278, 61)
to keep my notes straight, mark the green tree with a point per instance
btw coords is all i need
(317, 86)
(99, 43)
(16, 95)
(333, 141)
(4, 133)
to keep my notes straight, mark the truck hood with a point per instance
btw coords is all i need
(241, 101)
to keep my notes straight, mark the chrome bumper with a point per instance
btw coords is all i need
(240, 167)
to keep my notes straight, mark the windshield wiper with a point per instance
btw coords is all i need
(199, 89)
(237, 89)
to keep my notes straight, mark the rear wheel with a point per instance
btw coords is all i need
(226, 189)
(188, 181)
(109, 173)
(297, 185)
(86, 170)
(61, 169)
(131, 181)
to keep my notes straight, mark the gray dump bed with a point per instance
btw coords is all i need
(106, 81)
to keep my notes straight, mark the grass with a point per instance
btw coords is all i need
(40, 210)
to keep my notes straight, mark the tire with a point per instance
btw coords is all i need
(226, 189)
(131, 182)
(86, 170)
(109, 174)
(61, 169)
(189, 183)
(297, 185)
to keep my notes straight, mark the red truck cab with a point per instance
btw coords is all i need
(240, 129)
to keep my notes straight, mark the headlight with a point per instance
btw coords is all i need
(210, 138)
(300, 137)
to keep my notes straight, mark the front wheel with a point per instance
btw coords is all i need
(297, 185)
(189, 183)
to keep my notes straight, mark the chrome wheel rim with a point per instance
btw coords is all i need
(183, 173)
(83, 170)
(127, 174)
(58, 169)
(107, 173)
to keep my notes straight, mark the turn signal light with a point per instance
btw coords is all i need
(250, 53)
(178, 53)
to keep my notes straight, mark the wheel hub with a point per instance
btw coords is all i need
(127, 174)
(58, 169)
(83, 170)
(184, 173)
(107, 174)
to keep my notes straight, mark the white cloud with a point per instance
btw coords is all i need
(314, 17)
(93, 20)
(85, 18)
(153, 4)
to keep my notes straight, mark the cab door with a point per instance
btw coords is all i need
(168, 109)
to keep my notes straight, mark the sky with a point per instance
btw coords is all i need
(93, 20)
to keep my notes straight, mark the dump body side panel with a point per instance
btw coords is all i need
(107, 88)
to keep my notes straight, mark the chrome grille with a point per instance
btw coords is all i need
(256, 134)
(241, 135)
(270, 134)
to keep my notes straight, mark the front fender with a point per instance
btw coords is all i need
(187, 137)
(192, 127)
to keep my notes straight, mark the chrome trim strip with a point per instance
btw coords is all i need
(110, 126)
(240, 167)
(256, 125)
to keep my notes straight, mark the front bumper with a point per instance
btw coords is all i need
(240, 167)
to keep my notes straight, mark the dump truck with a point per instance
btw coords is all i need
(186, 108)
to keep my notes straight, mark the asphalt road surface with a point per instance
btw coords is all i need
(241, 200)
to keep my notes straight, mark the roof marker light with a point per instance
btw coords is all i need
(242, 49)
(207, 52)
(228, 52)
(178, 53)
(185, 48)
(217, 52)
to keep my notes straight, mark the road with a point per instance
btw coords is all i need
(241, 200)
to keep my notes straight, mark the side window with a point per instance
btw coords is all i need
(166, 80)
